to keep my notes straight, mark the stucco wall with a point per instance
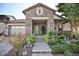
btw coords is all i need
(2, 27)
(78, 29)
(66, 27)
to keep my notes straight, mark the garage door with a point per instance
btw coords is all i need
(16, 30)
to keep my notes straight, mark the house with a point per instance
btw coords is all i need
(39, 19)
(4, 19)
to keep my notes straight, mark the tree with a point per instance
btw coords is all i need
(71, 12)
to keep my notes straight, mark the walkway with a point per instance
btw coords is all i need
(41, 48)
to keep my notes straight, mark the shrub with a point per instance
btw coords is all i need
(62, 48)
(67, 49)
(56, 38)
(56, 48)
(58, 45)
(75, 48)
(62, 36)
(67, 45)
(46, 38)
(50, 34)
(30, 40)
(68, 53)
(52, 42)
(61, 41)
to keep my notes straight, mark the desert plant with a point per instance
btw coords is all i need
(17, 44)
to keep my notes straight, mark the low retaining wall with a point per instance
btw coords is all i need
(6, 50)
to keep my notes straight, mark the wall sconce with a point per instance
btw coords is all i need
(51, 24)
(60, 26)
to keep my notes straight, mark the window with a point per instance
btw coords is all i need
(39, 10)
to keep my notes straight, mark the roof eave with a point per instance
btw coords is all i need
(60, 16)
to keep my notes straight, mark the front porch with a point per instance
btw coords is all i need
(39, 27)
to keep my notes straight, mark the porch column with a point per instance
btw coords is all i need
(9, 29)
(50, 25)
(28, 27)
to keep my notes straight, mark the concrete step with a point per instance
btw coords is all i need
(42, 54)
(41, 49)
(39, 38)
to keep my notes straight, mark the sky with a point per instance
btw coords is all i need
(15, 9)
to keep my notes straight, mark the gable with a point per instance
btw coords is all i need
(46, 12)
(58, 17)
(38, 5)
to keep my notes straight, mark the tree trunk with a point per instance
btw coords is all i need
(71, 26)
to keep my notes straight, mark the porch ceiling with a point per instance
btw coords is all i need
(39, 21)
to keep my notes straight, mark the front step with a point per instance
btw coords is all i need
(41, 49)
(43, 53)
(39, 38)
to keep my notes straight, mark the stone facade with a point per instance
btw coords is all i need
(48, 15)
(36, 17)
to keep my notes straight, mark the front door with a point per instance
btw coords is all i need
(39, 27)
(36, 29)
